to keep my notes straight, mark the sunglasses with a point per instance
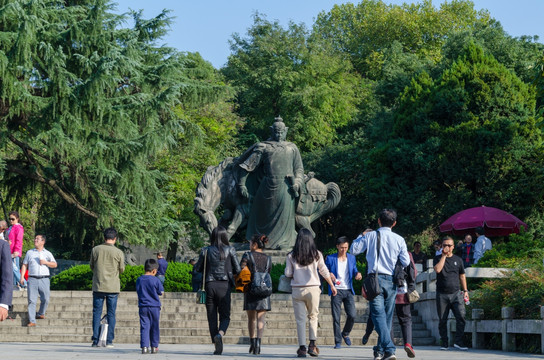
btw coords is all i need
(447, 245)
(12, 219)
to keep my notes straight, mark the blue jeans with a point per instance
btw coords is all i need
(381, 310)
(37, 287)
(346, 297)
(98, 305)
(16, 271)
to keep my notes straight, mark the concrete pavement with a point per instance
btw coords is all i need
(55, 351)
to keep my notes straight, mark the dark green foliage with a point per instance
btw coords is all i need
(129, 276)
(178, 277)
(79, 277)
(287, 72)
(275, 273)
(465, 139)
(523, 290)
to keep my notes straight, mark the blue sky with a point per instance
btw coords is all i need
(206, 26)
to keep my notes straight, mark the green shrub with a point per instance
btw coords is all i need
(178, 277)
(523, 290)
(79, 277)
(275, 273)
(129, 276)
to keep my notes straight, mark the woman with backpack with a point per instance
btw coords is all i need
(256, 306)
(304, 264)
(221, 264)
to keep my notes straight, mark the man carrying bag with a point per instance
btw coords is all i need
(392, 248)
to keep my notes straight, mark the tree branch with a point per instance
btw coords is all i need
(69, 198)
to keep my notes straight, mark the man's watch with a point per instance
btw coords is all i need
(465, 290)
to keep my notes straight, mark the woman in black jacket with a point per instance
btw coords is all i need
(221, 266)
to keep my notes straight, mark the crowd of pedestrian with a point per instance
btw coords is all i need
(217, 267)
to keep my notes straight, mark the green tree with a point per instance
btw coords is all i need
(363, 31)
(86, 105)
(287, 72)
(468, 138)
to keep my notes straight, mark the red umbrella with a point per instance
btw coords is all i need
(496, 222)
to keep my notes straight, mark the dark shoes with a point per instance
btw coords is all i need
(154, 350)
(347, 340)
(257, 349)
(389, 356)
(301, 352)
(365, 339)
(218, 341)
(313, 350)
(378, 355)
(460, 347)
(145, 350)
(252, 345)
(40, 317)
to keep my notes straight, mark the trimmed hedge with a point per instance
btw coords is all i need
(80, 277)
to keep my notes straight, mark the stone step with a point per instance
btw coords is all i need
(182, 321)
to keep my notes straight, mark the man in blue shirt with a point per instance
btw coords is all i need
(343, 269)
(392, 248)
(163, 265)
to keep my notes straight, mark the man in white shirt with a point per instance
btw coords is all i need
(392, 248)
(343, 269)
(38, 261)
(482, 244)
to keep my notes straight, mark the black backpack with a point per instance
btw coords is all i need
(261, 282)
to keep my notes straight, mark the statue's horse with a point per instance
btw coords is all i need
(218, 188)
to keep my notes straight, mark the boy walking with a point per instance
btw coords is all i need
(149, 288)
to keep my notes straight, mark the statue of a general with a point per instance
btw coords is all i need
(266, 191)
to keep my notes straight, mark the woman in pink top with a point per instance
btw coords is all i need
(16, 233)
(302, 265)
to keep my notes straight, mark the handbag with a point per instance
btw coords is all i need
(243, 279)
(413, 296)
(201, 294)
(371, 286)
(261, 282)
(102, 338)
(285, 284)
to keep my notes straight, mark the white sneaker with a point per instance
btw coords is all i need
(462, 348)
(110, 346)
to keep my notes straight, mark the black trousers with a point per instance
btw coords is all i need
(404, 316)
(453, 302)
(218, 303)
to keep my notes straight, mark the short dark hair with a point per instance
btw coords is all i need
(388, 217)
(150, 265)
(110, 233)
(42, 237)
(480, 230)
(341, 240)
(417, 242)
(447, 237)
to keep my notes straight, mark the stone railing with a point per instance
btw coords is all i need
(508, 326)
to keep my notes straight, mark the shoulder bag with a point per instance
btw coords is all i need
(371, 286)
(201, 294)
(261, 282)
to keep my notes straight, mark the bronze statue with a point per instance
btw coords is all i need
(265, 190)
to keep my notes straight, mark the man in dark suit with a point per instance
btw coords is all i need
(6, 279)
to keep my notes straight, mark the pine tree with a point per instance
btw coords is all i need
(86, 105)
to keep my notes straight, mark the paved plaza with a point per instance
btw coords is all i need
(54, 351)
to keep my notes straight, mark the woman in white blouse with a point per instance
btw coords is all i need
(302, 265)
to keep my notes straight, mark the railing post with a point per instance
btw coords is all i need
(542, 330)
(508, 340)
(477, 340)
